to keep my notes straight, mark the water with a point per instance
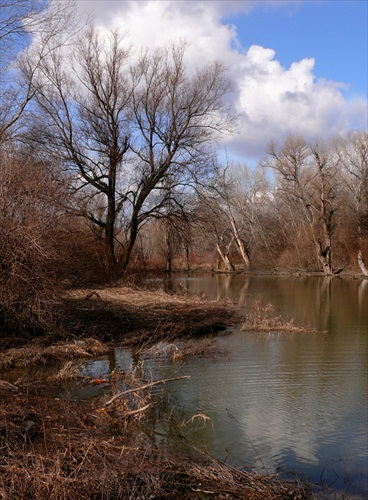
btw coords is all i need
(276, 401)
(287, 401)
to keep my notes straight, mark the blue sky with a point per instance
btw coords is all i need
(334, 32)
(297, 66)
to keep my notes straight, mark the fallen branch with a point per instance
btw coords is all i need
(142, 387)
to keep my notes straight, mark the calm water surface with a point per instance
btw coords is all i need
(280, 401)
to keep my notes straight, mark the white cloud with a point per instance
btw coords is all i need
(272, 101)
(275, 101)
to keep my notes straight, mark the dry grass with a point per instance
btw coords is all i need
(55, 449)
(69, 371)
(140, 317)
(265, 318)
(178, 351)
(35, 353)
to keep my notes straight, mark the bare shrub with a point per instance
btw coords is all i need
(178, 351)
(27, 224)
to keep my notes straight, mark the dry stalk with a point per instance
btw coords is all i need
(142, 387)
(69, 371)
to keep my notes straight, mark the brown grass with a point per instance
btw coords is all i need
(95, 319)
(35, 353)
(265, 318)
(178, 351)
(136, 317)
(55, 449)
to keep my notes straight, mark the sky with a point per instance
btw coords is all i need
(297, 66)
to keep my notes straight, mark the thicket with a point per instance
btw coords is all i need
(42, 248)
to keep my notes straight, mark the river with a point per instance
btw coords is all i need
(278, 402)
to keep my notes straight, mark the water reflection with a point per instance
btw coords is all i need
(284, 401)
(290, 400)
(320, 302)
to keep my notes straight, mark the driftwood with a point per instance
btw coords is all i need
(142, 387)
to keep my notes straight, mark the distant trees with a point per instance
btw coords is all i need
(321, 189)
(306, 179)
(303, 208)
(129, 133)
(352, 152)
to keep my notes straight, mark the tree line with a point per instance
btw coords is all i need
(109, 160)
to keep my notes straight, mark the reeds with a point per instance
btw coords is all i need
(265, 318)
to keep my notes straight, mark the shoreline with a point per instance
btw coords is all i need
(63, 445)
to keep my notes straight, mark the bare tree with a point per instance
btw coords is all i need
(352, 151)
(306, 179)
(127, 131)
(230, 209)
(29, 30)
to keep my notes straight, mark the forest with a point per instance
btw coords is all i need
(111, 163)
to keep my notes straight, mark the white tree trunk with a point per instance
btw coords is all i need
(239, 242)
(225, 258)
(362, 265)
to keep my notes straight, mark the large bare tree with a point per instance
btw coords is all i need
(307, 182)
(130, 132)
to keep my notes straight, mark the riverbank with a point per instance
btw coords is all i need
(94, 320)
(53, 447)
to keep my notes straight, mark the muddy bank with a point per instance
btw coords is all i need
(93, 320)
(133, 315)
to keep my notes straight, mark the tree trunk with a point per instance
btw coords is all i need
(225, 258)
(128, 247)
(111, 219)
(362, 265)
(324, 257)
(186, 255)
(169, 251)
(110, 237)
(240, 244)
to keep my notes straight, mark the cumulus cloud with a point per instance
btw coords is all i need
(274, 101)
(271, 100)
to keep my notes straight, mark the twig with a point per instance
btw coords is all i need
(134, 412)
(146, 386)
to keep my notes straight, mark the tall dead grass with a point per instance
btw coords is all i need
(265, 318)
